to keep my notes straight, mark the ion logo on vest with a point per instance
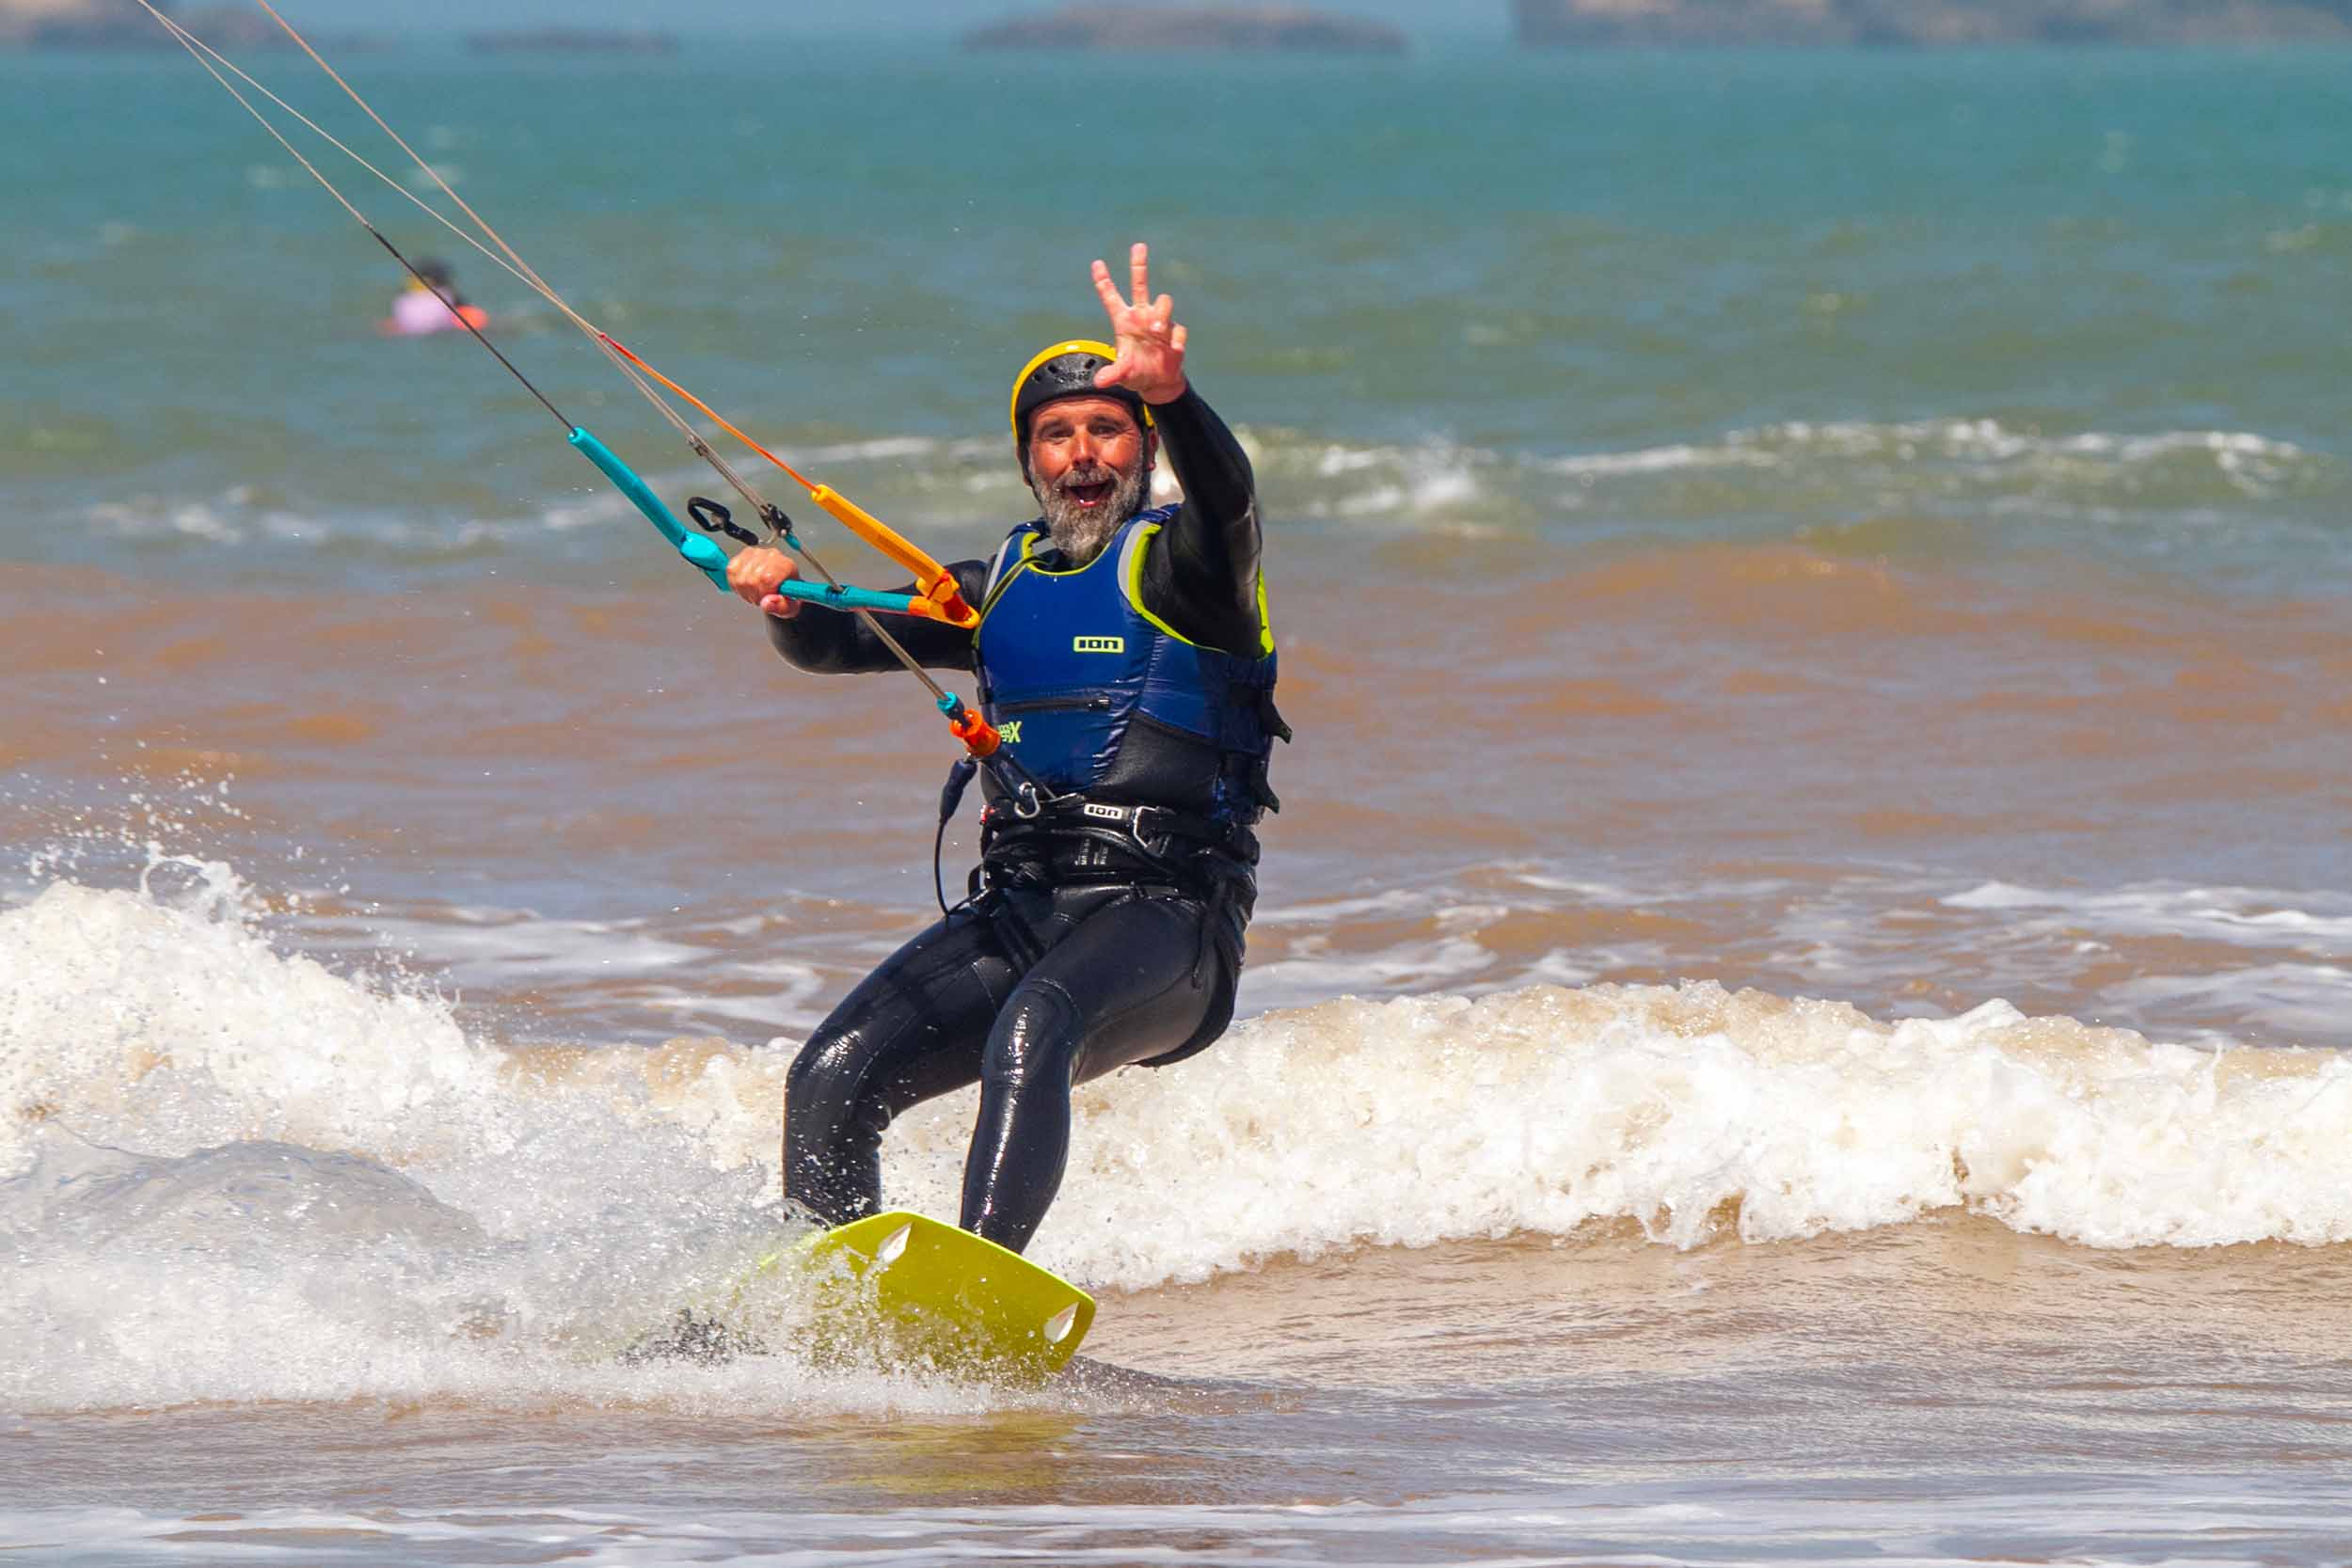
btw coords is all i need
(1098, 644)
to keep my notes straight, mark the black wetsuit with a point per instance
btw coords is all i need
(1082, 957)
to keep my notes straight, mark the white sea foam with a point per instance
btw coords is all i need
(1974, 464)
(1314, 972)
(2298, 1000)
(2200, 481)
(1661, 460)
(1687, 1111)
(235, 1175)
(2242, 916)
(2248, 457)
(215, 1145)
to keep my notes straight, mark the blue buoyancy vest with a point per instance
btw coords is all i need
(1094, 694)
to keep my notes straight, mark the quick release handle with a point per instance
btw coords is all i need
(978, 735)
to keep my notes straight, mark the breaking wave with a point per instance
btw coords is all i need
(2139, 495)
(211, 1146)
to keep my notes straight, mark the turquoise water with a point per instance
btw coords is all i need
(1485, 260)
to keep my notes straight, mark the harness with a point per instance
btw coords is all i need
(1132, 756)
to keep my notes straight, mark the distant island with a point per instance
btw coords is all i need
(1133, 26)
(1916, 23)
(573, 40)
(1587, 23)
(81, 24)
(121, 23)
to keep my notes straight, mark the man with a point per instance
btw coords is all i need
(1124, 654)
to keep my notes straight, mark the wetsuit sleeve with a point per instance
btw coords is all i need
(833, 642)
(1202, 577)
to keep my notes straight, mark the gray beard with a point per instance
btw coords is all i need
(1080, 532)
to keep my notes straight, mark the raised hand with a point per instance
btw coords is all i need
(1150, 339)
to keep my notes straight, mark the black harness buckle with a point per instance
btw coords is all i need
(1154, 845)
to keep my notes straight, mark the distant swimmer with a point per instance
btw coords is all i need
(1124, 653)
(428, 305)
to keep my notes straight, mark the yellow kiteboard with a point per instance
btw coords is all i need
(937, 1295)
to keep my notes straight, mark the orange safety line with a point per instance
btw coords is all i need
(798, 478)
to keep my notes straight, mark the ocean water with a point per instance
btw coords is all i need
(1797, 1012)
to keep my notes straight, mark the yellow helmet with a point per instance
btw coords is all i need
(1067, 370)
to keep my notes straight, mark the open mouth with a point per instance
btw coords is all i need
(1093, 491)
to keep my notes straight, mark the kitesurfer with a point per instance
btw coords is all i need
(1124, 654)
(431, 302)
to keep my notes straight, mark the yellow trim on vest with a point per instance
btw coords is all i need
(1027, 564)
(1133, 588)
(1100, 556)
(997, 590)
(1130, 588)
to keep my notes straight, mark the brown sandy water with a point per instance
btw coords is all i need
(1915, 788)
